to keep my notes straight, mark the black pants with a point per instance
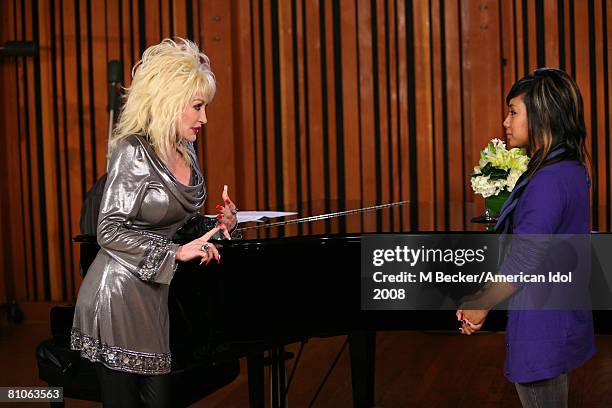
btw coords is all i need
(121, 389)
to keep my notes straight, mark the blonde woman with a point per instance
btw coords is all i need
(154, 186)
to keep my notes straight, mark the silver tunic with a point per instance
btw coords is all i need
(121, 317)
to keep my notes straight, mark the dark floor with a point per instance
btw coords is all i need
(413, 369)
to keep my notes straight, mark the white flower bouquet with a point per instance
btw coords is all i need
(497, 171)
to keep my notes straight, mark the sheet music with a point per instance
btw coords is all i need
(258, 216)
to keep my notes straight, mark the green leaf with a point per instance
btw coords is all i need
(486, 170)
(497, 174)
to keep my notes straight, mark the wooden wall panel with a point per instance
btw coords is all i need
(321, 106)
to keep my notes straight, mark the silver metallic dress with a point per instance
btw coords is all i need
(121, 317)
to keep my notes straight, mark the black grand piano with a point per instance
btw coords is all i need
(275, 286)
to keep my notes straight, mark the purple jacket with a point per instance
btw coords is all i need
(541, 344)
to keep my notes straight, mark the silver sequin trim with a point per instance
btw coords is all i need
(155, 254)
(119, 358)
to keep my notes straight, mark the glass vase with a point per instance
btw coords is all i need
(494, 204)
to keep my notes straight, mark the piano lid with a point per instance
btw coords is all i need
(332, 217)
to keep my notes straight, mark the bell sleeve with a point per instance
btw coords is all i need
(149, 256)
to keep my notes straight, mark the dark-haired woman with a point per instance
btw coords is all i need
(545, 116)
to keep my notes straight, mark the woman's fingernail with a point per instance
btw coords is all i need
(227, 201)
(219, 216)
(218, 207)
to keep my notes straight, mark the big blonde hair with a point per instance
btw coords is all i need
(164, 82)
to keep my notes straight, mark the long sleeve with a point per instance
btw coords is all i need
(148, 255)
(536, 220)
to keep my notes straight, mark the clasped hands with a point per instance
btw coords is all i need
(471, 320)
(201, 247)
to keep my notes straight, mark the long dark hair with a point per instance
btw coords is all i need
(555, 116)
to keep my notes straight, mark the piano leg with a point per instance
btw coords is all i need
(363, 355)
(278, 380)
(255, 368)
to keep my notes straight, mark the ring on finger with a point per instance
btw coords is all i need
(205, 247)
(234, 211)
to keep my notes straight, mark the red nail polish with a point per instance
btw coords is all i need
(219, 216)
(227, 201)
(218, 207)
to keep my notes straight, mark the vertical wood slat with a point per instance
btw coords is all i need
(381, 94)
(403, 157)
(304, 196)
(532, 30)
(179, 14)
(551, 33)
(258, 105)
(314, 110)
(350, 97)
(436, 81)
(100, 58)
(287, 127)
(268, 100)
(329, 86)
(84, 76)
(424, 121)
(568, 17)
(366, 108)
(287, 106)
(582, 62)
(607, 34)
(599, 112)
(127, 47)
(394, 148)
(522, 40)
(457, 173)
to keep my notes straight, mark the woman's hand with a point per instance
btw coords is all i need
(200, 248)
(227, 212)
(471, 320)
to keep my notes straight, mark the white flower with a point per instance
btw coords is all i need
(482, 186)
(512, 179)
(498, 169)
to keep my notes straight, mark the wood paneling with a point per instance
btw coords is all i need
(320, 105)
